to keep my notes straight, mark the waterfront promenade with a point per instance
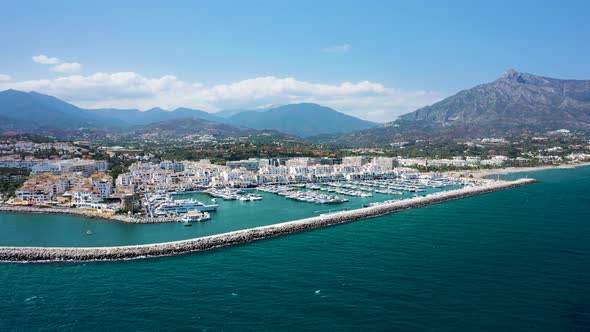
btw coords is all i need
(86, 214)
(49, 254)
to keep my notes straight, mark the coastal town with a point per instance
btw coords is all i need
(295, 165)
(65, 177)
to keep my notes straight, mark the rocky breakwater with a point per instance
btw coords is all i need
(49, 254)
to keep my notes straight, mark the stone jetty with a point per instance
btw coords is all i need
(54, 254)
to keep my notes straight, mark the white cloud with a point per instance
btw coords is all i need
(59, 65)
(45, 60)
(344, 48)
(368, 100)
(67, 68)
(4, 77)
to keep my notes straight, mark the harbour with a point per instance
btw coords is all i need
(165, 207)
(295, 166)
(32, 254)
(488, 249)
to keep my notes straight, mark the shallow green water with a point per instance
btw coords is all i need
(512, 260)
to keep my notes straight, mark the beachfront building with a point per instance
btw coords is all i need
(31, 195)
(84, 194)
(103, 184)
(49, 187)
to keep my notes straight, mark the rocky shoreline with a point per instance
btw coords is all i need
(51, 254)
(82, 213)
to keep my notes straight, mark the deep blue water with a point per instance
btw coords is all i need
(512, 260)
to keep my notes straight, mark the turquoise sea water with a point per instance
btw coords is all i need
(512, 260)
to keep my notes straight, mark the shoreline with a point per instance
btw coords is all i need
(478, 173)
(81, 213)
(483, 173)
(73, 254)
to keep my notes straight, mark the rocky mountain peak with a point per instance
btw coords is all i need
(513, 75)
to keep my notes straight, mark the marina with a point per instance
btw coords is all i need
(32, 254)
(160, 204)
(295, 166)
(325, 193)
(226, 206)
(303, 196)
(232, 194)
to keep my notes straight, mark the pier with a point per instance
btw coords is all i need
(55, 254)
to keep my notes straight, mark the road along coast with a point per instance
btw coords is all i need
(54, 254)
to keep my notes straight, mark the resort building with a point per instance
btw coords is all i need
(49, 187)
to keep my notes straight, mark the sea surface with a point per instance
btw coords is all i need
(516, 260)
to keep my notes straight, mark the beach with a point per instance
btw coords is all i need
(483, 173)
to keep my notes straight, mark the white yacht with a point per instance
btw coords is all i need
(183, 206)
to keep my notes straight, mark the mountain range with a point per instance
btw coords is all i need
(300, 119)
(133, 117)
(515, 103)
(187, 127)
(32, 112)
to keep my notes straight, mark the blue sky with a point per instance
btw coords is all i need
(373, 59)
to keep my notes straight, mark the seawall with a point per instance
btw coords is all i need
(86, 214)
(54, 254)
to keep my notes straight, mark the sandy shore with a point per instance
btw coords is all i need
(481, 173)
